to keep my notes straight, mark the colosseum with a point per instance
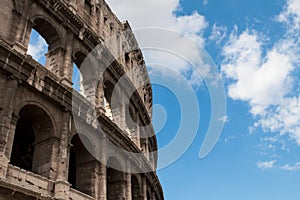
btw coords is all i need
(57, 141)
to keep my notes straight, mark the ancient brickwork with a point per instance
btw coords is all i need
(43, 154)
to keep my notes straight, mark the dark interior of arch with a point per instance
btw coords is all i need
(79, 57)
(135, 189)
(108, 90)
(23, 146)
(115, 181)
(81, 165)
(72, 168)
(46, 30)
(33, 126)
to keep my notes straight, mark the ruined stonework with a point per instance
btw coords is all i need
(48, 148)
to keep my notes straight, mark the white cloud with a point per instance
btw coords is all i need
(230, 138)
(289, 167)
(291, 15)
(218, 33)
(265, 78)
(37, 49)
(266, 164)
(224, 119)
(261, 81)
(162, 15)
(205, 2)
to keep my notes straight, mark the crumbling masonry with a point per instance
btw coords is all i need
(43, 153)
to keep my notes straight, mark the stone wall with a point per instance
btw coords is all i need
(38, 102)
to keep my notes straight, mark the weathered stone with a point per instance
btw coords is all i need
(42, 152)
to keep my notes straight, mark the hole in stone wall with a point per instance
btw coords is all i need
(32, 145)
(37, 47)
(136, 193)
(115, 181)
(72, 168)
(81, 165)
(77, 79)
(23, 146)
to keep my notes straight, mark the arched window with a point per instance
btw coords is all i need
(136, 193)
(82, 166)
(32, 146)
(77, 80)
(108, 91)
(44, 45)
(115, 181)
(23, 147)
(37, 47)
(77, 77)
(131, 122)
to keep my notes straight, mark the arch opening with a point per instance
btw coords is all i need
(108, 91)
(77, 76)
(44, 45)
(77, 79)
(82, 166)
(136, 193)
(116, 182)
(37, 47)
(32, 139)
(23, 146)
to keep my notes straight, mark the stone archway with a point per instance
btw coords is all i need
(136, 192)
(116, 182)
(33, 147)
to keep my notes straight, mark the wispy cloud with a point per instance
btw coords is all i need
(291, 167)
(218, 33)
(266, 164)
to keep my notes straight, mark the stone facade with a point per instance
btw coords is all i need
(43, 152)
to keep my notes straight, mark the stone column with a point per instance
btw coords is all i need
(102, 171)
(10, 140)
(144, 188)
(153, 195)
(55, 60)
(123, 106)
(116, 114)
(7, 125)
(67, 70)
(62, 187)
(137, 132)
(128, 188)
(22, 29)
(128, 180)
(145, 147)
(100, 102)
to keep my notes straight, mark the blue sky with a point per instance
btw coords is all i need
(255, 46)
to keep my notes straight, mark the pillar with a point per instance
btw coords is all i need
(136, 137)
(102, 171)
(128, 180)
(67, 70)
(55, 61)
(62, 187)
(7, 125)
(153, 195)
(128, 187)
(21, 33)
(144, 188)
